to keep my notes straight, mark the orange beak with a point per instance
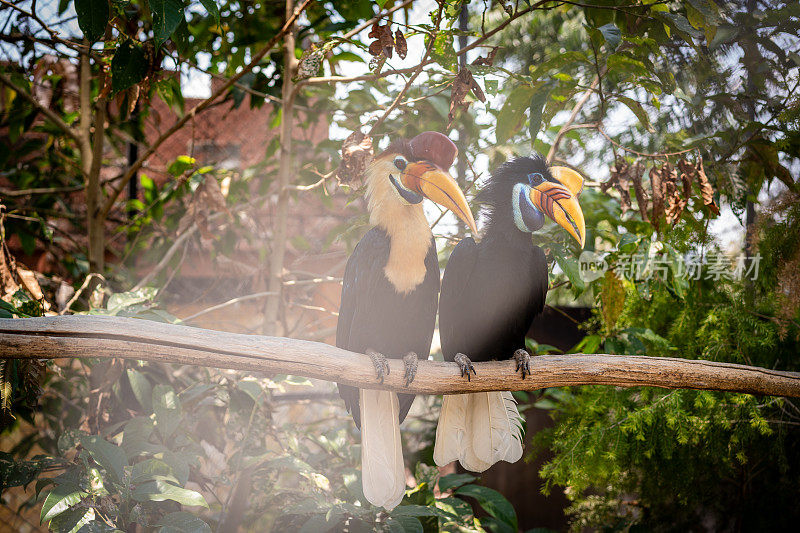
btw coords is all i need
(560, 204)
(438, 186)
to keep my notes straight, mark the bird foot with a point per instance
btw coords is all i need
(380, 363)
(523, 359)
(465, 365)
(410, 362)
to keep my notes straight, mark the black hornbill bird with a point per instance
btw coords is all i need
(390, 295)
(491, 292)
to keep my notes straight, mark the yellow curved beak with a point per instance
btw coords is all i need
(438, 186)
(560, 204)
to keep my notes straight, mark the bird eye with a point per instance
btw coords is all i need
(400, 163)
(535, 178)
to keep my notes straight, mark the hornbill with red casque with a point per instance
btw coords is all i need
(390, 294)
(491, 292)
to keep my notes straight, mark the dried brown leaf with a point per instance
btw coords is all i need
(375, 30)
(620, 180)
(463, 84)
(678, 201)
(384, 41)
(375, 48)
(357, 154)
(662, 181)
(641, 195)
(706, 189)
(487, 61)
(400, 44)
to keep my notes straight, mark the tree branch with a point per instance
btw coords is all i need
(108, 337)
(134, 168)
(46, 111)
(572, 116)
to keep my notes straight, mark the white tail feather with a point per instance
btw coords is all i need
(451, 429)
(494, 429)
(382, 474)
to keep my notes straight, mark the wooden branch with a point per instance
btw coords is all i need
(109, 337)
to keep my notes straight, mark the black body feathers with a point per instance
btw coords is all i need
(373, 316)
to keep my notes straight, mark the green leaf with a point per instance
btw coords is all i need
(404, 524)
(492, 502)
(319, 523)
(569, 264)
(182, 522)
(491, 86)
(451, 481)
(639, 111)
(443, 51)
(136, 435)
(512, 114)
(160, 490)
(142, 389)
(61, 498)
(725, 34)
(109, 456)
(73, 520)
(414, 510)
(708, 9)
(681, 24)
(538, 101)
(167, 408)
(213, 10)
(167, 16)
(149, 470)
(128, 67)
(612, 35)
(92, 17)
(557, 62)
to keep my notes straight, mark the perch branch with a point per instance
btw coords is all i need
(107, 337)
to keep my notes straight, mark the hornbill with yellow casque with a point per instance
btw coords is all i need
(491, 292)
(390, 294)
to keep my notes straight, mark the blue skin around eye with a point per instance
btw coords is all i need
(531, 217)
(535, 178)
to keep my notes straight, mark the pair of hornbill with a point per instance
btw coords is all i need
(490, 292)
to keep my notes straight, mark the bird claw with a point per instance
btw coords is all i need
(523, 359)
(465, 365)
(410, 362)
(380, 363)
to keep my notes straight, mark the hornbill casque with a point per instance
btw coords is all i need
(390, 295)
(491, 292)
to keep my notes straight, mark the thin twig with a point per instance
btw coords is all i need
(41, 190)
(55, 119)
(572, 116)
(640, 154)
(78, 293)
(53, 33)
(230, 302)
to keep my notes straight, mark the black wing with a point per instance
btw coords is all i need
(360, 274)
(455, 295)
(490, 295)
